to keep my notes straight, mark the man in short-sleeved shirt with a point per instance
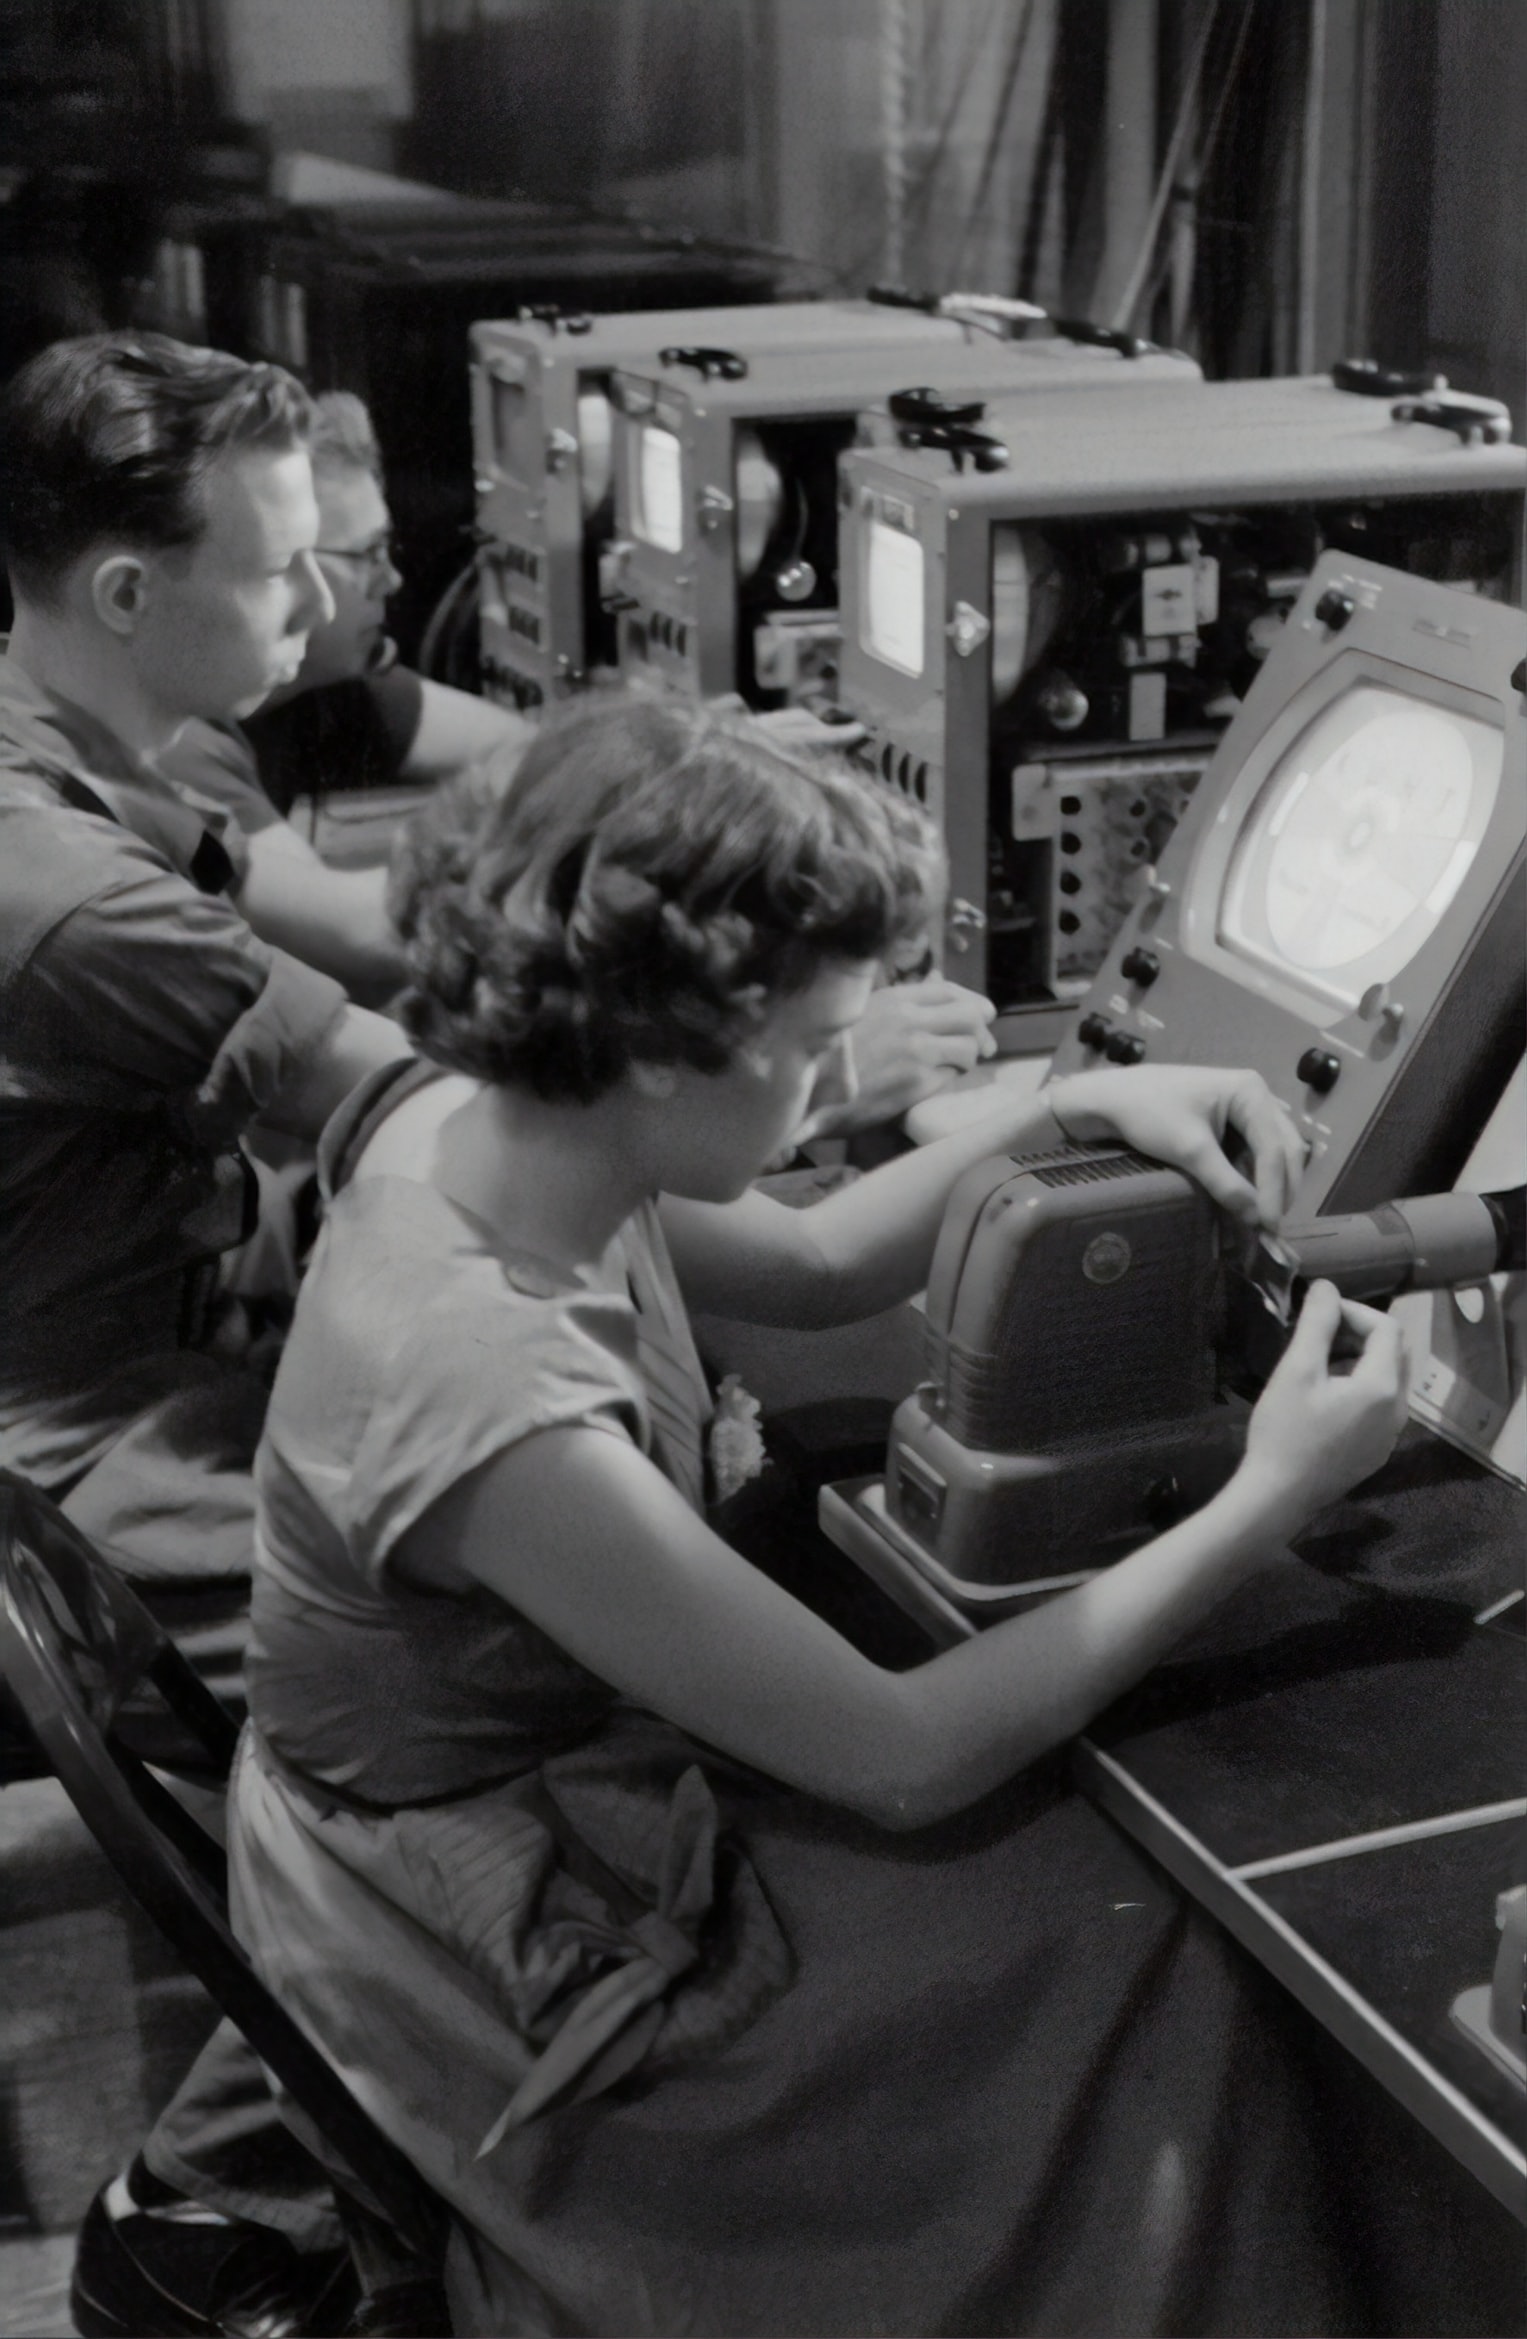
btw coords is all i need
(352, 716)
(142, 1028)
(159, 524)
(357, 732)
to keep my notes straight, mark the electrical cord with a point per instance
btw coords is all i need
(1198, 170)
(439, 642)
(1129, 298)
(1036, 210)
(995, 135)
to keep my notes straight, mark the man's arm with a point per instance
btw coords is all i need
(457, 729)
(336, 919)
(332, 919)
(355, 1045)
(153, 988)
(912, 1040)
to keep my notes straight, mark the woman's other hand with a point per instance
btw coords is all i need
(911, 1041)
(1315, 1432)
(1181, 1114)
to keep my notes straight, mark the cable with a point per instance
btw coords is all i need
(439, 643)
(994, 136)
(1128, 300)
(1036, 211)
(928, 172)
(895, 82)
(1309, 187)
(1194, 178)
(921, 176)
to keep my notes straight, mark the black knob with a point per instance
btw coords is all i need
(1124, 1047)
(1334, 608)
(1163, 1502)
(713, 365)
(925, 404)
(1371, 380)
(1519, 677)
(1319, 1069)
(1140, 966)
(1093, 1030)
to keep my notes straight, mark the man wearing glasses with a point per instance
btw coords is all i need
(354, 717)
(351, 717)
(159, 525)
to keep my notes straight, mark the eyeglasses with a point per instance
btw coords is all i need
(377, 561)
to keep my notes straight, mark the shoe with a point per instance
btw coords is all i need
(175, 2270)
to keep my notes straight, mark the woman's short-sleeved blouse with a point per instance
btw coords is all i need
(420, 1350)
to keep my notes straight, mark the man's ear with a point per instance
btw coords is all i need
(118, 591)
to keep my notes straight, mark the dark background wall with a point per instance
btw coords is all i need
(1346, 176)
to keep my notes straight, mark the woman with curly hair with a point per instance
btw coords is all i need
(719, 1979)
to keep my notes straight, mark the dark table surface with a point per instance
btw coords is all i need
(1352, 1689)
(1373, 1688)
(1372, 1683)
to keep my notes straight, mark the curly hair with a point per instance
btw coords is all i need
(108, 437)
(647, 881)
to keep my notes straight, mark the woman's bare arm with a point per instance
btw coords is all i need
(581, 1534)
(847, 1257)
(871, 1244)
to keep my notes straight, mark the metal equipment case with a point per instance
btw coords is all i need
(379, 297)
(541, 436)
(1343, 905)
(1046, 654)
(725, 491)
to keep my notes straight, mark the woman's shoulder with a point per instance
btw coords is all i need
(420, 1351)
(420, 1286)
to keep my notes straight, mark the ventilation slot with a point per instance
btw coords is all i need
(1093, 1172)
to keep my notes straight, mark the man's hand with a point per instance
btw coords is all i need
(797, 729)
(1181, 1114)
(911, 1041)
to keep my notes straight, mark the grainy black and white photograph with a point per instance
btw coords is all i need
(763, 1284)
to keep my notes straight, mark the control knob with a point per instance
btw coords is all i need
(1319, 1069)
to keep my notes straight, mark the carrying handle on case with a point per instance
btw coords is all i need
(1366, 378)
(712, 365)
(925, 404)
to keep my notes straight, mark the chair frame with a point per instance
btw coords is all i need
(66, 1615)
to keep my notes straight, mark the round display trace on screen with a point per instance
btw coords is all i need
(1360, 838)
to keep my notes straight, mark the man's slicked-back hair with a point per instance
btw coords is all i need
(343, 436)
(107, 440)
